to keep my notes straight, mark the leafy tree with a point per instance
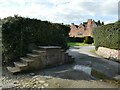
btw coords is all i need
(102, 23)
(99, 23)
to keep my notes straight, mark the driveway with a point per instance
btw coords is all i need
(83, 56)
(68, 75)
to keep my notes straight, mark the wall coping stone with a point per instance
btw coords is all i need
(109, 53)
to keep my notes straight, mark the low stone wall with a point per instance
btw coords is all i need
(109, 53)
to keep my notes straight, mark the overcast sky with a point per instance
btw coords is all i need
(62, 11)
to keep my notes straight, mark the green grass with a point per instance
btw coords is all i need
(76, 44)
(92, 51)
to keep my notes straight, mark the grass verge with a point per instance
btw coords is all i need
(77, 44)
(92, 51)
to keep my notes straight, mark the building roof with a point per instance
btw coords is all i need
(84, 29)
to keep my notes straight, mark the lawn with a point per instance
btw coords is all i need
(77, 44)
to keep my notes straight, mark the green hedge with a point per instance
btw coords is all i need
(88, 40)
(108, 36)
(19, 33)
(76, 39)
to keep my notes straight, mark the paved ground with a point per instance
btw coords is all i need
(66, 76)
(83, 56)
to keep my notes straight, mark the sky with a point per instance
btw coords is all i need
(62, 11)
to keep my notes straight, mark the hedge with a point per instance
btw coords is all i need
(18, 33)
(85, 39)
(88, 40)
(108, 36)
(76, 39)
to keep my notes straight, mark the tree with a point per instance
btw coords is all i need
(102, 23)
(99, 23)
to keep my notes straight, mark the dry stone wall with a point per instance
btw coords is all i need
(109, 53)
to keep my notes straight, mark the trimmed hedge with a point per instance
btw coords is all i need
(86, 39)
(108, 36)
(19, 33)
(76, 39)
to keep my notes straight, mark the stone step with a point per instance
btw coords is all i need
(21, 65)
(26, 60)
(41, 49)
(44, 57)
(33, 56)
(13, 70)
(49, 48)
(38, 51)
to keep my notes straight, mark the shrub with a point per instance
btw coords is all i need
(76, 39)
(88, 40)
(107, 36)
(18, 34)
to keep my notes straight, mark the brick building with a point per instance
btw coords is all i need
(84, 29)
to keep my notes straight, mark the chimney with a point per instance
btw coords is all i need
(89, 22)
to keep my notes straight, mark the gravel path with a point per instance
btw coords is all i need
(39, 81)
(64, 76)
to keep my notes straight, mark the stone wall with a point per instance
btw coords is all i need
(109, 53)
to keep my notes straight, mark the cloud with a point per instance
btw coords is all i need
(66, 11)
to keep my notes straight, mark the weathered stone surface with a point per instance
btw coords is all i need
(46, 56)
(32, 74)
(109, 53)
(13, 69)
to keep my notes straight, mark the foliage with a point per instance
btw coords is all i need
(77, 39)
(88, 40)
(18, 33)
(76, 44)
(92, 51)
(107, 36)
